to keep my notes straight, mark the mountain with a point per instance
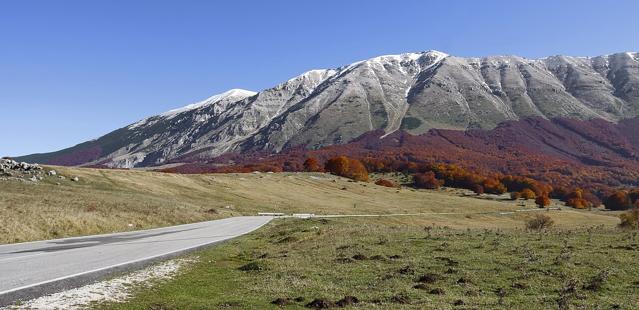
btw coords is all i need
(594, 154)
(414, 92)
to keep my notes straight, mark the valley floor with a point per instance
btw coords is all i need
(431, 261)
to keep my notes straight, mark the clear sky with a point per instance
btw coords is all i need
(71, 71)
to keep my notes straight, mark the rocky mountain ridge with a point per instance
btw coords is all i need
(414, 92)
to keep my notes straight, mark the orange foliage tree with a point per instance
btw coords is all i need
(527, 193)
(427, 180)
(619, 200)
(387, 183)
(312, 165)
(493, 186)
(542, 201)
(347, 167)
(576, 199)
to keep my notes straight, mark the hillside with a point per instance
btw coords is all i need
(119, 200)
(413, 92)
(594, 154)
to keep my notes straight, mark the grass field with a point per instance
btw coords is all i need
(462, 259)
(390, 263)
(119, 200)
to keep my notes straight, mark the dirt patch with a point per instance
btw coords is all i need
(320, 304)
(281, 302)
(421, 286)
(436, 291)
(289, 239)
(449, 261)
(360, 257)
(253, 266)
(400, 299)
(344, 260)
(429, 278)
(406, 270)
(347, 301)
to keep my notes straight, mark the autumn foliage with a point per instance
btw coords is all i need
(347, 167)
(427, 180)
(619, 200)
(311, 164)
(544, 157)
(386, 183)
(576, 199)
(542, 201)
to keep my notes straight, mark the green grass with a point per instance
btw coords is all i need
(314, 259)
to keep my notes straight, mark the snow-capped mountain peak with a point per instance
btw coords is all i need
(232, 95)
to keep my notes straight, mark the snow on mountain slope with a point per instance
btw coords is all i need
(413, 92)
(220, 99)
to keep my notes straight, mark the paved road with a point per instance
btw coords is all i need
(33, 269)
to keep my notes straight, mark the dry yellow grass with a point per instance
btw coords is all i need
(118, 200)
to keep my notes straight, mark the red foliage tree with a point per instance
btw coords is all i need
(427, 180)
(312, 165)
(493, 186)
(357, 171)
(386, 183)
(527, 193)
(542, 201)
(347, 167)
(337, 165)
(619, 200)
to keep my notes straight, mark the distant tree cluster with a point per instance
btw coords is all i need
(427, 180)
(347, 167)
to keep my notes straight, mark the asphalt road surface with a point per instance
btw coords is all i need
(33, 269)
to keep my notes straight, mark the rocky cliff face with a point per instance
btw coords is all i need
(414, 92)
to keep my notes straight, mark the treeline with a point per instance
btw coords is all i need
(433, 176)
(568, 186)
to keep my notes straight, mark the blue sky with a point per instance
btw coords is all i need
(71, 71)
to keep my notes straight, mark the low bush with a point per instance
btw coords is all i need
(387, 183)
(539, 222)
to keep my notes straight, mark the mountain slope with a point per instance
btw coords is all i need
(414, 92)
(595, 154)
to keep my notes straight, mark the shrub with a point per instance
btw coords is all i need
(542, 201)
(618, 201)
(387, 183)
(427, 180)
(539, 222)
(630, 219)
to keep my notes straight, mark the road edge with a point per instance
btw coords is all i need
(9, 298)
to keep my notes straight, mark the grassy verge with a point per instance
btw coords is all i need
(394, 263)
